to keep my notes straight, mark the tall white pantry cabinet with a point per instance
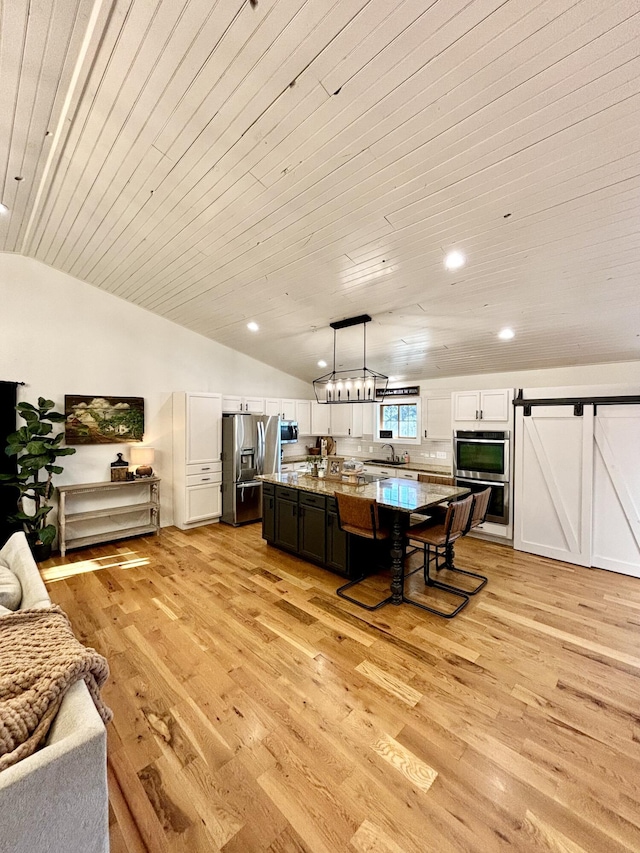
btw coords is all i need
(197, 465)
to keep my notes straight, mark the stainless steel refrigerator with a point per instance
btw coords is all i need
(250, 446)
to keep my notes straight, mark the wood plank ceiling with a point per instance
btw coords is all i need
(295, 162)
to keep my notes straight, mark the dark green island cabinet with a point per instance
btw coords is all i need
(306, 524)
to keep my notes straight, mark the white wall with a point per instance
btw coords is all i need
(62, 336)
(621, 373)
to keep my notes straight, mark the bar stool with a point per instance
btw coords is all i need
(359, 517)
(435, 539)
(477, 516)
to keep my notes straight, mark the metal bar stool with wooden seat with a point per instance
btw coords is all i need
(435, 539)
(359, 517)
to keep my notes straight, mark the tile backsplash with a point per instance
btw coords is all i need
(426, 453)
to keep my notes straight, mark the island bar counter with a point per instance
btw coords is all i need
(401, 497)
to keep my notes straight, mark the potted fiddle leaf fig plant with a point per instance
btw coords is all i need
(36, 447)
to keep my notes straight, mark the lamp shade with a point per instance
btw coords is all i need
(142, 455)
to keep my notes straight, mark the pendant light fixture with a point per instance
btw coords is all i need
(356, 385)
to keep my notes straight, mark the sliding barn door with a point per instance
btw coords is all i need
(553, 473)
(616, 490)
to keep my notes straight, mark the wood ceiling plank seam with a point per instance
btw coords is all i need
(524, 148)
(94, 135)
(53, 54)
(416, 231)
(371, 98)
(220, 174)
(528, 76)
(191, 116)
(358, 1)
(83, 106)
(329, 132)
(114, 171)
(477, 276)
(116, 116)
(246, 188)
(550, 180)
(183, 263)
(210, 33)
(15, 22)
(156, 114)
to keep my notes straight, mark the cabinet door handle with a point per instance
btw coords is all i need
(425, 433)
(205, 469)
(480, 414)
(205, 479)
(476, 414)
(295, 510)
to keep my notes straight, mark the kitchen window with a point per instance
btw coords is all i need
(399, 421)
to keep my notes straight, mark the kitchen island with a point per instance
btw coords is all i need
(300, 515)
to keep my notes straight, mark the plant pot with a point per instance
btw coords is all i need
(40, 551)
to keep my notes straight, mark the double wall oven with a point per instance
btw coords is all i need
(481, 459)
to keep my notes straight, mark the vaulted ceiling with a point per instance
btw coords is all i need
(296, 162)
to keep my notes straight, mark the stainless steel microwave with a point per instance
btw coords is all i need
(288, 432)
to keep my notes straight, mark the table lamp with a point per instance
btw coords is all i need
(142, 457)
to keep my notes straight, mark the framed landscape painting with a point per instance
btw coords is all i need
(103, 420)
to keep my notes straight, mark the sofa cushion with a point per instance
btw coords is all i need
(10, 589)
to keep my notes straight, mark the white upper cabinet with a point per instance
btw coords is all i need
(251, 405)
(320, 418)
(288, 412)
(203, 428)
(303, 416)
(493, 406)
(286, 409)
(254, 405)
(272, 407)
(369, 418)
(232, 404)
(346, 419)
(436, 417)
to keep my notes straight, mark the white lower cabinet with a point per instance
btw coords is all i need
(203, 503)
(197, 466)
(392, 471)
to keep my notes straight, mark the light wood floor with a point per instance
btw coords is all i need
(256, 712)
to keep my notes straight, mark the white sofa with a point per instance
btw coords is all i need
(56, 800)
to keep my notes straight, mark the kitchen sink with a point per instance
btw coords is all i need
(385, 462)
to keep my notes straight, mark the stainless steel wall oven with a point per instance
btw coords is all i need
(481, 459)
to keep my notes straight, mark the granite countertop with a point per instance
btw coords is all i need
(420, 467)
(400, 494)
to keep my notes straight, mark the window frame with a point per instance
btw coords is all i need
(398, 401)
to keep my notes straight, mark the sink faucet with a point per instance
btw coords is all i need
(393, 455)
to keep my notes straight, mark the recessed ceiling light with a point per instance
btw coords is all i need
(454, 260)
(253, 326)
(506, 334)
(4, 208)
(322, 363)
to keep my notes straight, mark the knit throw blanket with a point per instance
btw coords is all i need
(39, 661)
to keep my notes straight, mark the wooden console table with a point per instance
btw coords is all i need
(151, 506)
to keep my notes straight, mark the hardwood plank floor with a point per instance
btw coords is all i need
(257, 712)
